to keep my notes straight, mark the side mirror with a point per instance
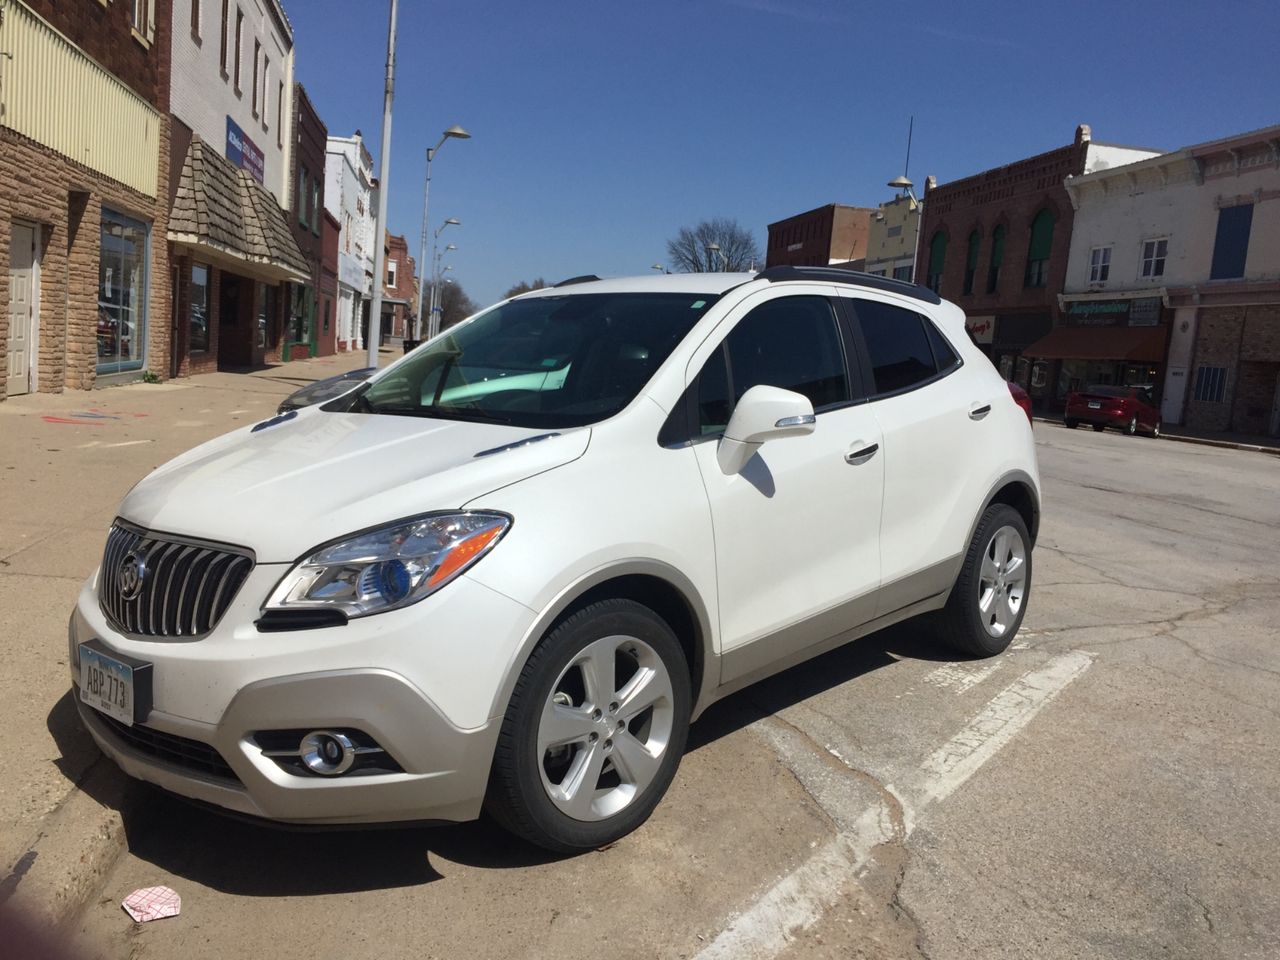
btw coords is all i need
(763, 413)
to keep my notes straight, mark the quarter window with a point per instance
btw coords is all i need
(899, 346)
(1099, 264)
(1153, 254)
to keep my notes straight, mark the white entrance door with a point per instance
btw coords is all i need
(1175, 389)
(22, 296)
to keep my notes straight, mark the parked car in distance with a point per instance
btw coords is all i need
(508, 570)
(326, 389)
(1131, 409)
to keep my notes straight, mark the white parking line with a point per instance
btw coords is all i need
(798, 900)
(960, 677)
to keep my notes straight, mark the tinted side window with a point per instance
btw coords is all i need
(897, 345)
(793, 343)
(944, 357)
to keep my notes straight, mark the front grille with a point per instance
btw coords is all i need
(171, 748)
(186, 585)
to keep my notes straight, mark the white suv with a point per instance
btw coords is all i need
(509, 570)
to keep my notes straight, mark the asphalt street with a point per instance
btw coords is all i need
(1107, 788)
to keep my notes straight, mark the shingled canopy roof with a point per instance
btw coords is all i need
(221, 212)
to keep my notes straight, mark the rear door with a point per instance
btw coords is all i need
(796, 532)
(935, 418)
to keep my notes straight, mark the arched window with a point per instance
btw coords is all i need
(997, 255)
(937, 255)
(971, 261)
(1038, 250)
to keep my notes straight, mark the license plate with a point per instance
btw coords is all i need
(1095, 404)
(106, 684)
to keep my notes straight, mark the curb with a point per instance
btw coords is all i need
(1202, 441)
(67, 861)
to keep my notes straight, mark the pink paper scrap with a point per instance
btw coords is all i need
(152, 903)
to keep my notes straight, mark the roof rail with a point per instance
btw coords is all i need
(837, 275)
(585, 278)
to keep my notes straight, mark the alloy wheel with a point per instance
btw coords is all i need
(605, 728)
(1002, 581)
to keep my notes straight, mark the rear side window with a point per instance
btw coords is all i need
(905, 349)
(792, 342)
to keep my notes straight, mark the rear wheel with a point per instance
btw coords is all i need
(1071, 423)
(1155, 431)
(989, 598)
(594, 730)
(1099, 427)
(1131, 427)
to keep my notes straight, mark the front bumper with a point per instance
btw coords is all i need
(395, 678)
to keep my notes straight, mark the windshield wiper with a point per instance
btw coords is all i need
(443, 413)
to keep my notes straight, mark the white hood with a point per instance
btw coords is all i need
(300, 482)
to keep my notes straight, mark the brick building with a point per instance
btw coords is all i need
(308, 164)
(996, 243)
(398, 290)
(83, 192)
(832, 235)
(230, 243)
(327, 334)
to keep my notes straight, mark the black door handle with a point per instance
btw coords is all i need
(977, 413)
(863, 455)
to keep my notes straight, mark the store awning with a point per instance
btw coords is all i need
(1142, 344)
(222, 214)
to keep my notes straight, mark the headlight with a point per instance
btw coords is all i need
(390, 567)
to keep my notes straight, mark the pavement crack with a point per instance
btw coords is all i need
(1204, 907)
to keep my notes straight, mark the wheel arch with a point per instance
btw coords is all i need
(1016, 490)
(654, 584)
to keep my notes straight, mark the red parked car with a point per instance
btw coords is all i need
(1131, 409)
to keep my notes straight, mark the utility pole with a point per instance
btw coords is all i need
(379, 227)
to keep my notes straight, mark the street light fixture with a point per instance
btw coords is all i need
(903, 185)
(659, 267)
(712, 248)
(457, 133)
(433, 326)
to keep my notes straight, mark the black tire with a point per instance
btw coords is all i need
(516, 797)
(1099, 427)
(1071, 423)
(960, 623)
(1155, 431)
(1131, 428)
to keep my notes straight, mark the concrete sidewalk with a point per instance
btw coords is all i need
(1230, 441)
(66, 461)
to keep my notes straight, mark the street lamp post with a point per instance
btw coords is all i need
(458, 133)
(379, 245)
(437, 295)
(432, 326)
(905, 185)
(712, 250)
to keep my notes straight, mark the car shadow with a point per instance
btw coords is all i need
(251, 858)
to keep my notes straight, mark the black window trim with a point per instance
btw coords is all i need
(679, 430)
(868, 373)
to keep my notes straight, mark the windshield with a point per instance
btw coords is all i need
(552, 361)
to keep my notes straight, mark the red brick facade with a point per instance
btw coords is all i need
(834, 233)
(398, 303)
(1244, 341)
(65, 201)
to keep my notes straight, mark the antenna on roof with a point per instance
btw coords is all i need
(911, 125)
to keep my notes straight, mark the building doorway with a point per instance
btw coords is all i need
(24, 308)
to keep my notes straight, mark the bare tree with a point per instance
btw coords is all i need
(523, 287)
(695, 250)
(455, 305)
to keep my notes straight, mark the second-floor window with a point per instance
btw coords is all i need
(391, 273)
(257, 59)
(1153, 254)
(1039, 249)
(266, 89)
(223, 50)
(937, 257)
(971, 261)
(1099, 264)
(1231, 245)
(997, 255)
(280, 114)
(139, 14)
(316, 203)
(239, 45)
(195, 18)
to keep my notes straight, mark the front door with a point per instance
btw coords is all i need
(22, 305)
(797, 529)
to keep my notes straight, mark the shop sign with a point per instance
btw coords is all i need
(350, 271)
(1098, 313)
(982, 329)
(243, 152)
(1145, 312)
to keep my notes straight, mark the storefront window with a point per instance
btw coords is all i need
(301, 310)
(266, 315)
(199, 307)
(122, 293)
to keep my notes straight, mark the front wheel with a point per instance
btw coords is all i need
(990, 596)
(1099, 427)
(594, 730)
(1071, 423)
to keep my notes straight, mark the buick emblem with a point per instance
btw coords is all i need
(133, 573)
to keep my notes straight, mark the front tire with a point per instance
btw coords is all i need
(594, 731)
(990, 596)
(1099, 427)
(1071, 423)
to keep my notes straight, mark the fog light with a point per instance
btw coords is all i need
(327, 752)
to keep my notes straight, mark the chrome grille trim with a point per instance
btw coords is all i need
(189, 583)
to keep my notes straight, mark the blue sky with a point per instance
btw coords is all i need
(600, 128)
